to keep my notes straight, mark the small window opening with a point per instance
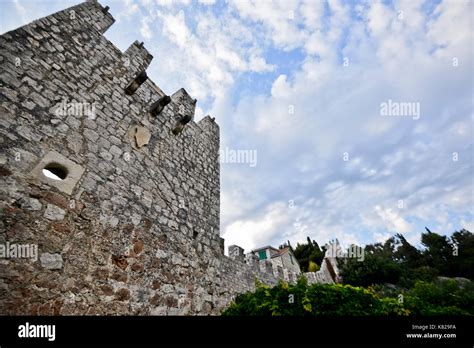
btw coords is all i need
(55, 171)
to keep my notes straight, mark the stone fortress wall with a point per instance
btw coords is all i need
(133, 226)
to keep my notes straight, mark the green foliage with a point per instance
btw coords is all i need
(318, 299)
(405, 253)
(443, 297)
(308, 252)
(463, 263)
(313, 267)
(438, 253)
(410, 276)
(398, 262)
(374, 269)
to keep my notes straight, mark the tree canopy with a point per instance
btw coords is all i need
(398, 262)
(309, 252)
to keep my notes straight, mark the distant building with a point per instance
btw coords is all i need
(279, 257)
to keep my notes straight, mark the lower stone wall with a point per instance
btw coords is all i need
(87, 266)
(325, 275)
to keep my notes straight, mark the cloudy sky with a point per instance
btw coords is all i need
(360, 113)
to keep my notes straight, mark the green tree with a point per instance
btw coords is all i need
(438, 253)
(398, 262)
(463, 254)
(406, 253)
(310, 251)
(374, 269)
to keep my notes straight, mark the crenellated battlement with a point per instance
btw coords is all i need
(75, 26)
(84, 16)
(137, 58)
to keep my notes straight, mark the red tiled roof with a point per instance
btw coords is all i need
(281, 252)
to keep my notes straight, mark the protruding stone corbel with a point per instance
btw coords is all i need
(137, 82)
(159, 105)
(179, 126)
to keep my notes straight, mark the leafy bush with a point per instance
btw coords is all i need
(317, 299)
(443, 297)
(313, 267)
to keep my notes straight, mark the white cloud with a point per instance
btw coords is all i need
(210, 50)
(252, 233)
(145, 29)
(392, 220)
(468, 225)
(20, 9)
(379, 19)
(444, 29)
(175, 28)
(280, 87)
(207, 2)
(277, 20)
(128, 10)
(337, 109)
(168, 3)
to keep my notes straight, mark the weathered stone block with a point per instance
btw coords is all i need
(51, 261)
(53, 212)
